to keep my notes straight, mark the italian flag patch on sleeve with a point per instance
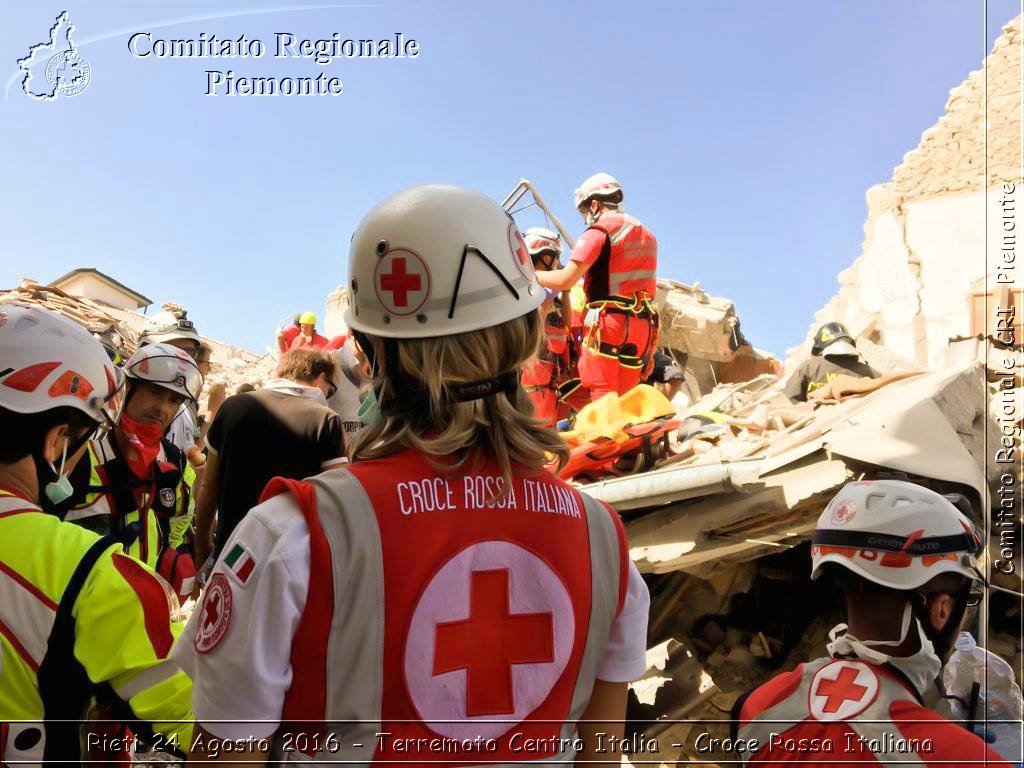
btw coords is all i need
(240, 562)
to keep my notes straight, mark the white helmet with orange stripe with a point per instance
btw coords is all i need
(48, 361)
(896, 534)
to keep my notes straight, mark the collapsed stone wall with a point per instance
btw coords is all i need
(922, 270)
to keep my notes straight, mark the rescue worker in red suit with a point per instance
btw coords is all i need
(617, 256)
(905, 557)
(543, 374)
(443, 597)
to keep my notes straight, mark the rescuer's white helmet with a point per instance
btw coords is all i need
(48, 361)
(598, 185)
(437, 260)
(541, 239)
(167, 327)
(896, 534)
(166, 366)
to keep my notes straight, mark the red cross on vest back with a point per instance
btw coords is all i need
(400, 283)
(841, 690)
(489, 641)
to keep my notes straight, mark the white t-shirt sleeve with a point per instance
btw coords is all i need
(625, 655)
(246, 674)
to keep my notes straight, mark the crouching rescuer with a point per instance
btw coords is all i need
(617, 256)
(80, 621)
(905, 557)
(443, 597)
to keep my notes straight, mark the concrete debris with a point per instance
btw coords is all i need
(703, 335)
(921, 285)
(720, 529)
(759, 485)
(230, 365)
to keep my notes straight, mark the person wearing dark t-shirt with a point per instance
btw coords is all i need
(282, 430)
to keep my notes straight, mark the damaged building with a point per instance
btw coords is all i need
(120, 327)
(721, 528)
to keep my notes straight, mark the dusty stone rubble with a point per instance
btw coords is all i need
(919, 285)
(722, 535)
(703, 334)
(231, 366)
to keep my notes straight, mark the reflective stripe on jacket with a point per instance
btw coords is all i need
(79, 620)
(628, 262)
(834, 711)
(147, 515)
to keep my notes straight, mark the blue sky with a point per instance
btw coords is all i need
(745, 134)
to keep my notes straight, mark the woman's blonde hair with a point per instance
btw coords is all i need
(500, 426)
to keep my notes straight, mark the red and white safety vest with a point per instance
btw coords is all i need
(834, 711)
(495, 614)
(628, 262)
(544, 370)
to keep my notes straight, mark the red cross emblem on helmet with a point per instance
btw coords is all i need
(402, 281)
(841, 690)
(520, 253)
(488, 641)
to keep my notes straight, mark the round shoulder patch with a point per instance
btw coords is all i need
(841, 690)
(214, 614)
(167, 498)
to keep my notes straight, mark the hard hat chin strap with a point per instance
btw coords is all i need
(843, 643)
(943, 639)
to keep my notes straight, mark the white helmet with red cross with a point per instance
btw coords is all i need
(437, 260)
(166, 366)
(599, 185)
(47, 361)
(540, 240)
(895, 533)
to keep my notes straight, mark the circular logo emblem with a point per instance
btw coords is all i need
(841, 690)
(68, 73)
(520, 254)
(843, 513)
(488, 641)
(167, 497)
(214, 614)
(402, 282)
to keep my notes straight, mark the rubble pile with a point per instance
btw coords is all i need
(721, 530)
(231, 366)
(936, 233)
(703, 334)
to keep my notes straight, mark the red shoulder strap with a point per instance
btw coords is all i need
(306, 700)
(620, 533)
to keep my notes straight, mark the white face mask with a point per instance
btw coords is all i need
(921, 669)
(60, 489)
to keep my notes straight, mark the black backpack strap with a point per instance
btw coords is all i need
(64, 686)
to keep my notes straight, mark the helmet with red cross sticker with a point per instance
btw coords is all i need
(896, 534)
(437, 260)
